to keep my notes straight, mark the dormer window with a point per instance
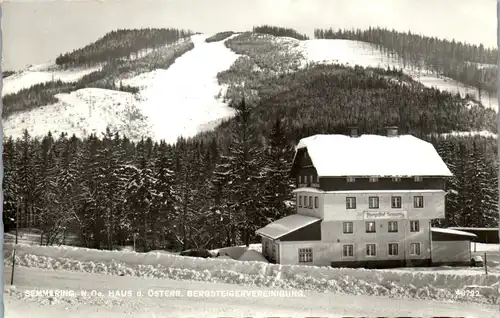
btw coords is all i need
(317, 179)
(373, 179)
(418, 179)
(396, 179)
(300, 179)
(351, 179)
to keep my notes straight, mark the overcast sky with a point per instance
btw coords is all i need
(37, 31)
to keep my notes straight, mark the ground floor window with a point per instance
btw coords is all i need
(348, 250)
(393, 249)
(371, 250)
(305, 255)
(415, 249)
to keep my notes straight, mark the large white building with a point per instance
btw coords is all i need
(361, 201)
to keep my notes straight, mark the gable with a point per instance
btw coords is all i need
(302, 159)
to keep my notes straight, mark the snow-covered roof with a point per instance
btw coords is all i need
(286, 225)
(451, 231)
(373, 155)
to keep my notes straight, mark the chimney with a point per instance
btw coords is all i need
(392, 131)
(353, 131)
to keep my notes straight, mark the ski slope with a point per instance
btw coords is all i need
(179, 101)
(182, 100)
(367, 55)
(176, 298)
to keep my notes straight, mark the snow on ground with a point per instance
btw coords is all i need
(367, 55)
(170, 298)
(85, 111)
(483, 247)
(181, 100)
(482, 133)
(390, 283)
(30, 77)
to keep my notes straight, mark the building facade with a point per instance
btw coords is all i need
(361, 201)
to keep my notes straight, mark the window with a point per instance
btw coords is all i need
(310, 179)
(370, 227)
(266, 246)
(348, 250)
(350, 202)
(415, 249)
(414, 226)
(300, 179)
(393, 226)
(393, 249)
(317, 179)
(310, 202)
(274, 252)
(305, 255)
(373, 179)
(348, 227)
(419, 179)
(351, 179)
(371, 250)
(300, 201)
(396, 202)
(396, 179)
(373, 202)
(418, 201)
(316, 202)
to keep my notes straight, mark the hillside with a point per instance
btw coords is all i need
(178, 195)
(472, 65)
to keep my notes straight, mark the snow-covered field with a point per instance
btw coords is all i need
(483, 247)
(367, 55)
(390, 283)
(41, 74)
(82, 112)
(482, 133)
(178, 101)
(177, 298)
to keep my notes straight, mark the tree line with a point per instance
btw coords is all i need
(279, 31)
(474, 65)
(121, 43)
(219, 36)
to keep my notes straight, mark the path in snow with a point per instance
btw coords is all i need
(367, 55)
(182, 100)
(312, 303)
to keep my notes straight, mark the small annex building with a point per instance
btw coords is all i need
(451, 247)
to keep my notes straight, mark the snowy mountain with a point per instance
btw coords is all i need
(189, 96)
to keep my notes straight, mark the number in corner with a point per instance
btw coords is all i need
(467, 293)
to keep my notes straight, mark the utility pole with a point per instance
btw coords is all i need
(14, 252)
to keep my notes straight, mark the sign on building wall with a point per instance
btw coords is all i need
(377, 215)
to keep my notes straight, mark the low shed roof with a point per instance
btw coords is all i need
(451, 235)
